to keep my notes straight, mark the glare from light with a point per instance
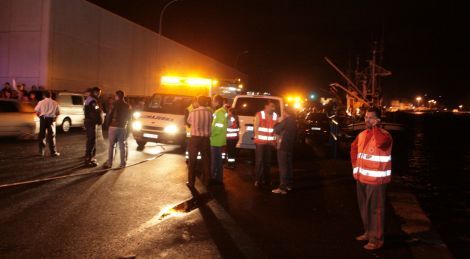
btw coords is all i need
(240, 86)
(297, 105)
(171, 80)
(195, 81)
(137, 125)
(171, 129)
(137, 115)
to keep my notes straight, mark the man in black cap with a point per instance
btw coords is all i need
(93, 117)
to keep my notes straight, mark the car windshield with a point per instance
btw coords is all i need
(172, 104)
(248, 106)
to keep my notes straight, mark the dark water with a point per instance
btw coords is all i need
(433, 159)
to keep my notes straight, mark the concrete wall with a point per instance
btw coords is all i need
(23, 41)
(73, 44)
(91, 46)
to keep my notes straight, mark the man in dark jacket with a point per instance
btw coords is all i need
(287, 130)
(93, 117)
(118, 120)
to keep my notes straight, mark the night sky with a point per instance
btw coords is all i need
(424, 41)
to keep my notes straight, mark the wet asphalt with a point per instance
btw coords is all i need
(122, 213)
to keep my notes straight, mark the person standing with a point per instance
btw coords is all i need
(233, 130)
(200, 120)
(371, 157)
(93, 117)
(118, 120)
(194, 104)
(47, 110)
(218, 139)
(287, 131)
(265, 141)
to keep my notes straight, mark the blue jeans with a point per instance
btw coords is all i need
(117, 135)
(284, 160)
(217, 166)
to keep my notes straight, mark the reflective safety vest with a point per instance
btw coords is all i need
(265, 131)
(233, 128)
(373, 165)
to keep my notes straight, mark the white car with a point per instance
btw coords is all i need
(18, 119)
(71, 110)
(246, 107)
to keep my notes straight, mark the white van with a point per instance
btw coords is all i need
(246, 107)
(161, 120)
(71, 110)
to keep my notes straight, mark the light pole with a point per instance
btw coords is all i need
(160, 28)
(238, 57)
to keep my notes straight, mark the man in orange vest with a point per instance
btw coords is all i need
(371, 157)
(265, 140)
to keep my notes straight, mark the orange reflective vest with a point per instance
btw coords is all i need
(373, 164)
(265, 131)
(232, 129)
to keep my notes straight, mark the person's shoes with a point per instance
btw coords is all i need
(373, 245)
(122, 165)
(289, 188)
(106, 166)
(91, 163)
(362, 237)
(279, 191)
(55, 154)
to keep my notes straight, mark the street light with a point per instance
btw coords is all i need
(418, 99)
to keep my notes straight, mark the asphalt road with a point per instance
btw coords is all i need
(123, 213)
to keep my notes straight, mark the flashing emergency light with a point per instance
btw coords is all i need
(188, 81)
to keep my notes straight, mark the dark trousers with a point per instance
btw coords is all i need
(47, 127)
(231, 151)
(263, 154)
(199, 144)
(371, 200)
(284, 160)
(90, 129)
(217, 164)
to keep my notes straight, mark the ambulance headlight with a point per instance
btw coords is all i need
(136, 115)
(137, 125)
(172, 129)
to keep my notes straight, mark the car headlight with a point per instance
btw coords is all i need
(172, 129)
(136, 115)
(137, 125)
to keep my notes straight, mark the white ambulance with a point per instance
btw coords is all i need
(162, 119)
(246, 107)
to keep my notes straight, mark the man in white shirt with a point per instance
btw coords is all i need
(47, 110)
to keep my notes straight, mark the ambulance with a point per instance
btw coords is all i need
(162, 119)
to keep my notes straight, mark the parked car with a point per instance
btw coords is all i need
(18, 119)
(315, 128)
(71, 110)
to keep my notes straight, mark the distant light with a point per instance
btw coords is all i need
(297, 105)
(312, 96)
(419, 98)
(215, 82)
(240, 86)
(244, 105)
(187, 81)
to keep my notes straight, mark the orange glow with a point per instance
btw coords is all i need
(187, 81)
